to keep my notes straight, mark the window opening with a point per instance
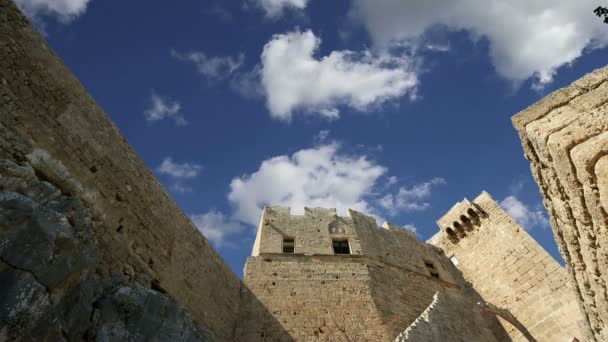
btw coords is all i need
(289, 245)
(340, 246)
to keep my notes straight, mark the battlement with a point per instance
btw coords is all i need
(463, 217)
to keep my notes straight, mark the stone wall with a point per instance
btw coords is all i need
(565, 137)
(313, 233)
(375, 293)
(50, 123)
(510, 270)
(437, 322)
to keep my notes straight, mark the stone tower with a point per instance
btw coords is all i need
(331, 278)
(510, 269)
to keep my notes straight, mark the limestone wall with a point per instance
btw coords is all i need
(437, 322)
(565, 137)
(313, 233)
(48, 121)
(510, 270)
(339, 297)
(373, 294)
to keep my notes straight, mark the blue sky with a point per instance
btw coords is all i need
(394, 108)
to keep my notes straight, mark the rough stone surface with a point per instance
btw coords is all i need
(565, 137)
(437, 322)
(48, 284)
(138, 314)
(52, 128)
(510, 270)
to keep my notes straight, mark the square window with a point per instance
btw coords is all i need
(340, 246)
(454, 260)
(289, 245)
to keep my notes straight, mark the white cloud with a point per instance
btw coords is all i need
(164, 108)
(276, 8)
(295, 80)
(526, 38)
(410, 199)
(64, 10)
(525, 217)
(177, 170)
(315, 177)
(215, 226)
(214, 67)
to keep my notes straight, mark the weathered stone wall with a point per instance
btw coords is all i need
(511, 270)
(49, 288)
(372, 294)
(49, 122)
(437, 322)
(313, 233)
(565, 137)
(315, 298)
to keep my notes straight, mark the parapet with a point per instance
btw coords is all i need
(462, 217)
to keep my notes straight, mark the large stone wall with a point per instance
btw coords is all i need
(313, 233)
(565, 137)
(437, 322)
(374, 293)
(50, 123)
(510, 270)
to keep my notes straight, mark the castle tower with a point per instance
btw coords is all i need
(331, 278)
(510, 269)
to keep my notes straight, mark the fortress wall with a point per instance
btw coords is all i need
(396, 246)
(512, 271)
(50, 122)
(437, 322)
(565, 137)
(314, 230)
(315, 298)
(311, 231)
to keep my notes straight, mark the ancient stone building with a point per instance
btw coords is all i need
(565, 137)
(326, 277)
(510, 270)
(92, 248)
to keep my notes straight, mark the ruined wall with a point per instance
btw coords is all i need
(565, 137)
(49, 122)
(373, 294)
(510, 270)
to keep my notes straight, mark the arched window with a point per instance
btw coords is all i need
(467, 223)
(451, 235)
(459, 229)
(473, 214)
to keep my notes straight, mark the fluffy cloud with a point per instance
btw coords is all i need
(525, 217)
(177, 170)
(316, 177)
(275, 8)
(215, 226)
(527, 38)
(214, 67)
(294, 79)
(164, 108)
(64, 10)
(178, 174)
(410, 199)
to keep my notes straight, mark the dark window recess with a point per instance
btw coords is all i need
(341, 247)
(430, 266)
(288, 245)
